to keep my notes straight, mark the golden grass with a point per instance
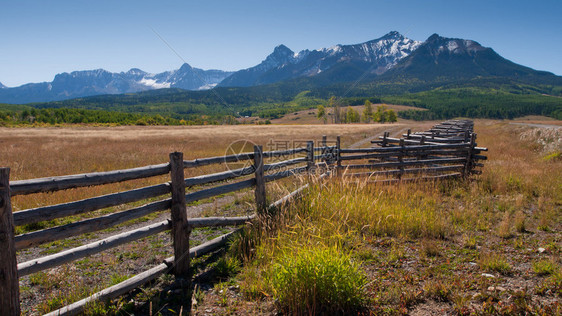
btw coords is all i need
(42, 152)
(441, 227)
(419, 236)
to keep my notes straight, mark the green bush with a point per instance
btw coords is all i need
(318, 281)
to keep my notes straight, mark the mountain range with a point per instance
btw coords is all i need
(99, 81)
(392, 58)
(458, 59)
(376, 56)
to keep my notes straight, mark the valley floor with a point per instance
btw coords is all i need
(488, 246)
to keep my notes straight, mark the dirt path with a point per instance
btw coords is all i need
(395, 131)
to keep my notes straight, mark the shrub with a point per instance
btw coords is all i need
(318, 281)
(430, 249)
(520, 222)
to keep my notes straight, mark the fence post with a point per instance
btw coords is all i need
(9, 282)
(384, 140)
(260, 180)
(401, 158)
(422, 142)
(324, 149)
(468, 164)
(338, 155)
(180, 228)
(310, 156)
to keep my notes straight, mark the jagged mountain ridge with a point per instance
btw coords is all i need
(392, 59)
(100, 81)
(441, 58)
(376, 56)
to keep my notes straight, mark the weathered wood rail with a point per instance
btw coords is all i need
(427, 156)
(446, 150)
(180, 226)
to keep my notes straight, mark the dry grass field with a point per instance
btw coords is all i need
(487, 246)
(44, 152)
(41, 152)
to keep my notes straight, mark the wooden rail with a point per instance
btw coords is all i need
(426, 155)
(86, 179)
(179, 225)
(433, 152)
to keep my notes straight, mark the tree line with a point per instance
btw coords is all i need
(350, 115)
(82, 116)
(477, 103)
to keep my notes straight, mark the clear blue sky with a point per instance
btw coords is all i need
(42, 38)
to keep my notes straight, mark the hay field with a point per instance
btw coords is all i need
(42, 152)
(508, 212)
(54, 151)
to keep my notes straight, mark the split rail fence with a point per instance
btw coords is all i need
(442, 151)
(447, 150)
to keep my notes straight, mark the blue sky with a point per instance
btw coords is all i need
(42, 38)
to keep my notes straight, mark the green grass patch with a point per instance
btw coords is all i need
(545, 267)
(495, 263)
(318, 281)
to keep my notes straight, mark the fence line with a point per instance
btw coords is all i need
(447, 150)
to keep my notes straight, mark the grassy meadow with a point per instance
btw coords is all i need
(53, 151)
(490, 245)
(487, 246)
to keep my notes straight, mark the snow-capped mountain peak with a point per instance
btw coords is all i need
(376, 56)
(99, 81)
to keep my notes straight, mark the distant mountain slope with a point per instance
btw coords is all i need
(376, 56)
(389, 65)
(99, 81)
(450, 59)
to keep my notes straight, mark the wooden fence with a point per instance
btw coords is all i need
(414, 154)
(447, 150)
(179, 225)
